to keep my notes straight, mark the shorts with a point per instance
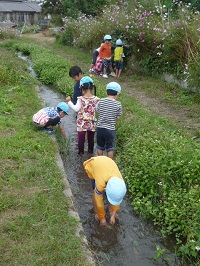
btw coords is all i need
(106, 63)
(105, 139)
(119, 65)
(92, 181)
(53, 121)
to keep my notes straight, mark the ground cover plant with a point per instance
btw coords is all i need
(35, 225)
(159, 36)
(159, 161)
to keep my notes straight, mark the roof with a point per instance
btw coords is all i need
(14, 6)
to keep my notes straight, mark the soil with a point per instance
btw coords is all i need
(185, 117)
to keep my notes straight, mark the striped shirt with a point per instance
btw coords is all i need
(108, 111)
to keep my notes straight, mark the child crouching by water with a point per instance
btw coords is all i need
(86, 108)
(49, 117)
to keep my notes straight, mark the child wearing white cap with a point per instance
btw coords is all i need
(86, 108)
(105, 177)
(109, 110)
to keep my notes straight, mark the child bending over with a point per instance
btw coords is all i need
(105, 177)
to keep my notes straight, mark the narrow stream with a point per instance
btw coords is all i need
(132, 240)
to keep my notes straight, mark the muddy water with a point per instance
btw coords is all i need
(132, 240)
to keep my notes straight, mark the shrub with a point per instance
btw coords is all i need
(162, 39)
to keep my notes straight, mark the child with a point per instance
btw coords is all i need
(105, 54)
(76, 73)
(95, 54)
(109, 110)
(86, 120)
(105, 176)
(49, 117)
(118, 57)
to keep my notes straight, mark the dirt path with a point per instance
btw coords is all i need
(184, 116)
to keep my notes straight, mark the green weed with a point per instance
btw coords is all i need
(35, 226)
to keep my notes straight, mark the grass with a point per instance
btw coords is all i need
(35, 226)
(159, 159)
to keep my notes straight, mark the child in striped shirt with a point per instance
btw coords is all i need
(109, 110)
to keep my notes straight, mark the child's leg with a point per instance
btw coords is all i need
(99, 152)
(110, 154)
(90, 136)
(100, 141)
(119, 73)
(81, 141)
(105, 65)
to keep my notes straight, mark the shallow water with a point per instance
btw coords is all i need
(132, 240)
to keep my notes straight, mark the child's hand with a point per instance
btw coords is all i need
(113, 215)
(68, 98)
(112, 219)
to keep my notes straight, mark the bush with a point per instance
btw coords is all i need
(162, 39)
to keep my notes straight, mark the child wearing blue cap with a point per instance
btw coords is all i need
(86, 108)
(105, 177)
(109, 110)
(118, 58)
(49, 117)
(105, 53)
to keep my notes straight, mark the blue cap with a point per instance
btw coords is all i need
(64, 107)
(107, 37)
(115, 190)
(113, 86)
(86, 80)
(118, 42)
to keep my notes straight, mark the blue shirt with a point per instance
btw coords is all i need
(77, 92)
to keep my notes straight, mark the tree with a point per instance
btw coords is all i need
(72, 8)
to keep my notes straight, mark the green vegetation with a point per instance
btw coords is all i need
(35, 225)
(158, 36)
(161, 163)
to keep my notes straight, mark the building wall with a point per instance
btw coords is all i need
(18, 17)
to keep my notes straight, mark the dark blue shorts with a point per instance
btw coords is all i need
(119, 65)
(105, 139)
(92, 181)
